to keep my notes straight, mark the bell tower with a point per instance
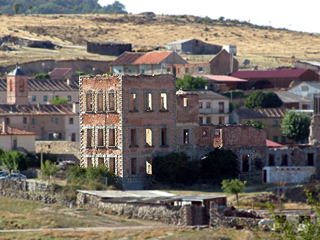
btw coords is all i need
(17, 87)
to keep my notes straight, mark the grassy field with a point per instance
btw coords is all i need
(264, 46)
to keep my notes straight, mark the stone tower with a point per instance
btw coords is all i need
(17, 87)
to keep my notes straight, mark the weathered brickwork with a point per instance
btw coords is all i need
(126, 120)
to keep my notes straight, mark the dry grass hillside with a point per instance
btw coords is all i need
(265, 47)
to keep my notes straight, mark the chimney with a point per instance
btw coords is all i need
(75, 107)
(4, 127)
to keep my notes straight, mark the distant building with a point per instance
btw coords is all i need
(276, 78)
(312, 65)
(63, 73)
(290, 100)
(112, 48)
(222, 83)
(193, 46)
(232, 49)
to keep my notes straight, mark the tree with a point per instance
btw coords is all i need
(30, 8)
(58, 100)
(16, 7)
(234, 186)
(256, 124)
(260, 99)
(190, 83)
(42, 76)
(49, 169)
(175, 168)
(295, 125)
(14, 161)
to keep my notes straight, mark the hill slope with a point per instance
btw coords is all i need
(60, 7)
(264, 46)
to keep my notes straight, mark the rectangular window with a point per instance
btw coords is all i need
(310, 159)
(271, 160)
(149, 102)
(275, 138)
(275, 123)
(25, 120)
(221, 107)
(142, 71)
(56, 120)
(69, 98)
(245, 163)
(100, 137)
(34, 98)
(7, 120)
(101, 161)
(187, 70)
(164, 106)
(70, 120)
(133, 166)
(186, 136)
(33, 121)
(112, 103)
(100, 102)
(208, 104)
(208, 120)
(283, 139)
(221, 120)
(149, 137)
(45, 98)
(133, 137)
(73, 137)
(200, 69)
(149, 165)
(185, 102)
(112, 137)
(284, 160)
(89, 162)
(164, 137)
(200, 120)
(89, 101)
(200, 104)
(133, 102)
(112, 164)
(168, 70)
(89, 137)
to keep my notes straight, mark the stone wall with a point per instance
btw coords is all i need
(30, 191)
(64, 150)
(150, 212)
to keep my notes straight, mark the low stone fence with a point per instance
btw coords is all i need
(150, 212)
(217, 218)
(30, 191)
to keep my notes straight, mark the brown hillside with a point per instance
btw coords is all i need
(266, 47)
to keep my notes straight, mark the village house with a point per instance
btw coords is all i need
(63, 73)
(309, 91)
(276, 79)
(222, 83)
(16, 139)
(50, 122)
(213, 107)
(269, 117)
(193, 46)
(40, 90)
(312, 65)
(290, 100)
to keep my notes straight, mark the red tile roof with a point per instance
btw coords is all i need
(283, 73)
(270, 143)
(15, 131)
(60, 72)
(221, 78)
(127, 58)
(152, 58)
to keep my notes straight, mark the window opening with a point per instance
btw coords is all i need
(100, 102)
(89, 102)
(113, 165)
(112, 137)
(133, 99)
(164, 102)
(89, 137)
(148, 102)
(111, 102)
(149, 137)
(186, 136)
(149, 165)
(133, 166)
(245, 163)
(100, 138)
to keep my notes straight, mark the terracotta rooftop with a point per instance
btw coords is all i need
(46, 85)
(36, 109)
(221, 78)
(60, 72)
(283, 73)
(153, 58)
(127, 58)
(15, 131)
(261, 113)
(272, 144)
